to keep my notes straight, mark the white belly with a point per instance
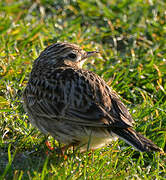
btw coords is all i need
(96, 139)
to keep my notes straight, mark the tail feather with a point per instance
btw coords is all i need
(135, 139)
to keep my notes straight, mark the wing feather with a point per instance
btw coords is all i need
(78, 96)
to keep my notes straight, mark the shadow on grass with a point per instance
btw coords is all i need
(26, 164)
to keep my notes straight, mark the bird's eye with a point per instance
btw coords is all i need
(72, 56)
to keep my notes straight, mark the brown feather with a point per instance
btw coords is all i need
(75, 105)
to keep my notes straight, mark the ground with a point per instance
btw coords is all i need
(131, 38)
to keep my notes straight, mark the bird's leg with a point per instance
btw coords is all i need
(48, 144)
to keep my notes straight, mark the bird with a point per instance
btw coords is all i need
(76, 106)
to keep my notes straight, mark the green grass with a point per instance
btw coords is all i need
(131, 36)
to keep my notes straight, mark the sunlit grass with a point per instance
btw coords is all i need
(130, 36)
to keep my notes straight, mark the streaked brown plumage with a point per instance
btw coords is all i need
(74, 105)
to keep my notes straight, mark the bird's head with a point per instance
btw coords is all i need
(60, 54)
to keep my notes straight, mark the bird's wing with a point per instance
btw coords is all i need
(78, 96)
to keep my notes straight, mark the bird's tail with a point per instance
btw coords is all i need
(135, 139)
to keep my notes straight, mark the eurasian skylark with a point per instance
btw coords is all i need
(76, 106)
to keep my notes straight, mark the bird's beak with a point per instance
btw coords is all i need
(89, 54)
